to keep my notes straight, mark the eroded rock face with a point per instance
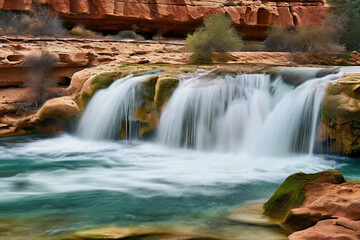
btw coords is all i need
(341, 115)
(326, 206)
(178, 17)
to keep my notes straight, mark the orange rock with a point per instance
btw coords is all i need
(329, 229)
(179, 17)
(330, 210)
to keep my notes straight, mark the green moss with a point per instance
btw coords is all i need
(149, 86)
(344, 56)
(164, 88)
(102, 80)
(335, 89)
(355, 123)
(291, 193)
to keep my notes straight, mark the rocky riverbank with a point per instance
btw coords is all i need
(86, 65)
(317, 206)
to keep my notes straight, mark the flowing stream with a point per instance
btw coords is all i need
(221, 142)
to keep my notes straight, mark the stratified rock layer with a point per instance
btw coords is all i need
(178, 17)
(318, 206)
(341, 115)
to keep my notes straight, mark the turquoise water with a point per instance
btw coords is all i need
(55, 186)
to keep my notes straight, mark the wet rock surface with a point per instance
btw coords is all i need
(326, 206)
(341, 115)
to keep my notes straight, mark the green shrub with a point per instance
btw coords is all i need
(40, 23)
(216, 35)
(322, 38)
(39, 68)
(347, 13)
(127, 34)
(275, 40)
(81, 31)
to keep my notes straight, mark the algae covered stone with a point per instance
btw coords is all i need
(164, 88)
(99, 81)
(291, 192)
(340, 115)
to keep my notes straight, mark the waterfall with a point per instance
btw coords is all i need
(246, 113)
(292, 124)
(111, 110)
(215, 113)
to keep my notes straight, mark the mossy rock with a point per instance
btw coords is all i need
(104, 80)
(291, 193)
(100, 81)
(164, 88)
(335, 89)
(340, 108)
(148, 117)
(149, 87)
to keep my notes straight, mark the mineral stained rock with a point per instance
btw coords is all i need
(178, 17)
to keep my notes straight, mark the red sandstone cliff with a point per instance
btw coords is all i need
(250, 17)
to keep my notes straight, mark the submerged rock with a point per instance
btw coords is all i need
(139, 233)
(253, 214)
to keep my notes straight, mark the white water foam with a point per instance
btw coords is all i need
(143, 169)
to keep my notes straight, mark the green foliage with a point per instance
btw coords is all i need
(216, 35)
(81, 31)
(102, 80)
(39, 82)
(324, 38)
(348, 12)
(291, 192)
(275, 40)
(41, 23)
(127, 34)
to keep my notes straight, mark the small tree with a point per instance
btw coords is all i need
(216, 35)
(324, 38)
(348, 11)
(39, 67)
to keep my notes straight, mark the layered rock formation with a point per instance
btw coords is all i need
(317, 206)
(341, 115)
(178, 17)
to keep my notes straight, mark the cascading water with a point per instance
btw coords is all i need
(110, 108)
(216, 113)
(143, 185)
(292, 124)
(245, 113)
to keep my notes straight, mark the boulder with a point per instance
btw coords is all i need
(341, 115)
(291, 192)
(330, 229)
(317, 206)
(57, 108)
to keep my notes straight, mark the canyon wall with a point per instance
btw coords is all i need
(178, 17)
